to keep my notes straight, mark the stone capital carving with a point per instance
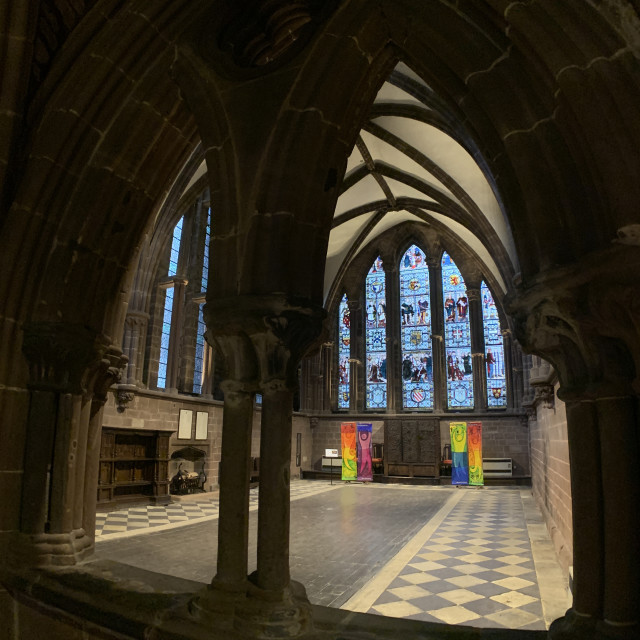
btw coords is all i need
(136, 318)
(62, 356)
(264, 337)
(585, 321)
(473, 294)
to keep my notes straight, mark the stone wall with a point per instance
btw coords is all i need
(326, 435)
(151, 410)
(551, 476)
(503, 436)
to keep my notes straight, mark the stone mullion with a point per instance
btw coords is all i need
(437, 328)
(394, 355)
(476, 327)
(357, 348)
(175, 336)
(154, 337)
(513, 396)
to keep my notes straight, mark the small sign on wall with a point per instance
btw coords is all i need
(184, 424)
(202, 423)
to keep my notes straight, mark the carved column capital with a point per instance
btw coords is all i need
(267, 335)
(585, 321)
(62, 357)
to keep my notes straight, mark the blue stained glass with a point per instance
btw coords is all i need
(457, 337)
(198, 368)
(175, 248)
(376, 337)
(205, 263)
(415, 320)
(494, 351)
(344, 353)
(164, 339)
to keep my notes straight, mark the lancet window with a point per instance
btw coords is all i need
(376, 337)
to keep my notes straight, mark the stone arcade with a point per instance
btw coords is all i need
(108, 109)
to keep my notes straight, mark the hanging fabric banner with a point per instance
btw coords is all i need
(474, 435)
(365, 452)
(349, 466)
(459, 460)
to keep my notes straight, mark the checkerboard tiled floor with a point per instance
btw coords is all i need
(475, 569)
(195, 507)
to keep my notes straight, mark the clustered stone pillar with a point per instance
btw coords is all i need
(261, 342)
(597, 364)
(71, 368)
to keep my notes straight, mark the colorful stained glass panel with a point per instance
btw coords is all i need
(198, 370)
(457, 337)
(344, 353)
(494, 351)
(376, 336)
(415, 321)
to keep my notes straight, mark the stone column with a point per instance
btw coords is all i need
(233, 521)
(208, 368)
(107, 373)
(578, 324)
(63, 359)
(587, 507)
(273, 511)
(135, 335)
(618, 424)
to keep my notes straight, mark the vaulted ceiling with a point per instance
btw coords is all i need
(414, 161)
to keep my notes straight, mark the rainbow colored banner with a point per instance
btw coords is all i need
(459, 460)
(348, 437)
(474, 434)
(365, 451)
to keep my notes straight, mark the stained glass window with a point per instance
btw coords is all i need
(376, 336)
(494, 351)
(457, 337)
(175, 248)
(164, 338)
(198, 369)
(344, 353)
(415, 323)
(205, 263)
(168, 305)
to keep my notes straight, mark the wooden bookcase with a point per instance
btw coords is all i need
(133, 467)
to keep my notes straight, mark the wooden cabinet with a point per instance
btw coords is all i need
(133, 467)
(412, 447)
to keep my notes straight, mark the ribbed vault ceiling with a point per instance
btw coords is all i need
(413, 161)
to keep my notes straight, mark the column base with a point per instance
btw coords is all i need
(53, 549)
(266, 614)
(240, 612)
(576, 626)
